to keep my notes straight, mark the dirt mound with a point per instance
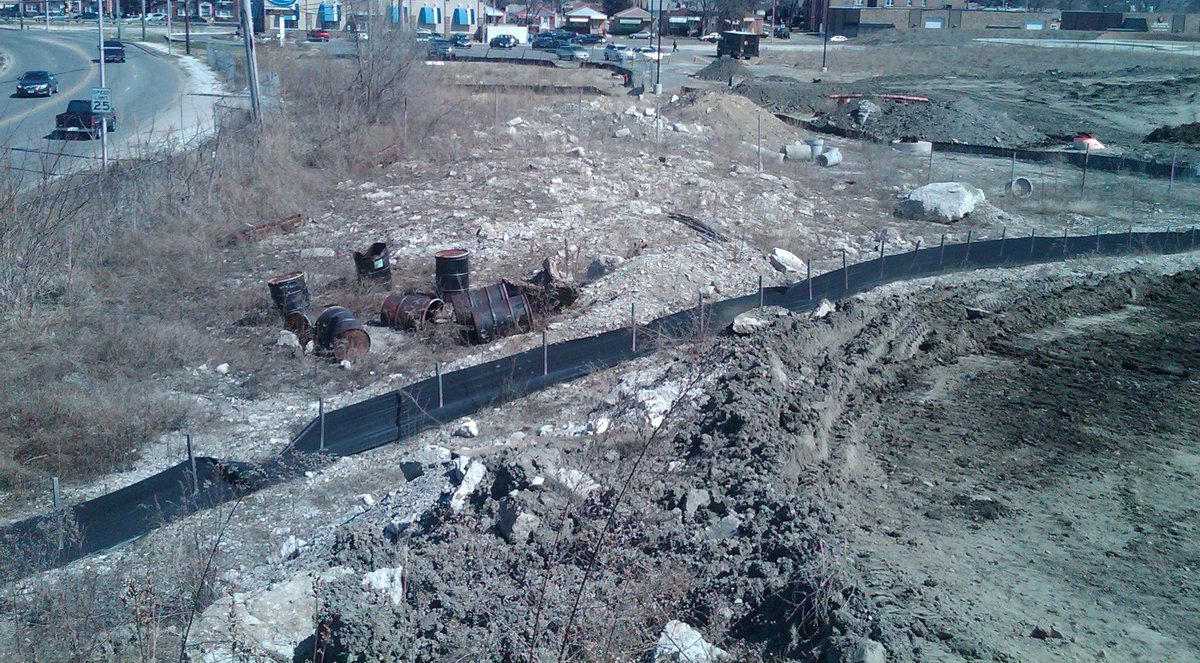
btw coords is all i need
(960, 120)
(1184, 133)
(722, 69)
(730, 114)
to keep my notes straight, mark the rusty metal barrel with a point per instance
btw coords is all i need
(466, 301)
(289, 292)
(400, 311)
(339, 333)
(373, 264)
(500, 317)
(451, 272)
(301, 324)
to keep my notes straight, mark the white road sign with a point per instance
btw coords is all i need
(101, 100)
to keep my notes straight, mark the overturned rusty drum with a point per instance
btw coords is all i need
(408, 311)
(465, 302)
(301, 324)
(451, 272)
(373, 264)
(339, 333)
(493, 319)
(289, 292)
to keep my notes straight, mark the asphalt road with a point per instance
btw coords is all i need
(144, 88)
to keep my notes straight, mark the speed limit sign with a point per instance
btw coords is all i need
(101, 100)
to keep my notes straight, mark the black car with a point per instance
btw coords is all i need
(87, 16)
(114, 50)
(544, 42)
(589, 38)
(504, 41)
(460, 40)
(39, 83)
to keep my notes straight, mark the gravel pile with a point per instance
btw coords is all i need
(722, 68)
(1184, 133)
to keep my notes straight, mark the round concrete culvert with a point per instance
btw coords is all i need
(1020, 187)
(913, 146)
(830, 157)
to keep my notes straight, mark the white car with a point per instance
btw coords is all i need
(156, 17)
(712, 37)
(618, 53)
(649, 53)
(838, 38)
(641, 35)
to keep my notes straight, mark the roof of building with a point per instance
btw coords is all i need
(588, 12)
(632, 12)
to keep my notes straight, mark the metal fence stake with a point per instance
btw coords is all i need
(1065, 230)
(808, 276)
(942, 251)
(700, 309)
(1087, 155)
(321, 416)
(54, 491)
(633, 327)
(967, 255)
(916, 247)
(1097, 239)
(1032, 240)
(545, 355)
(192, 463)
(1130, 245)
(437, 367)
(1003, 236)
(760, 291)
(845, 272)
(881, 258)
(1171, 182)
(1192, 241)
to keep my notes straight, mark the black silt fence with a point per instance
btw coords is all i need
(133, 511)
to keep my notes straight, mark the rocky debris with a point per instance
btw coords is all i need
(696, 499)
(286, 339)
(222, 369)
(1184, 133)
(468, 428)
(412, 470)
(623, 132)
(785, 261)
(603, 265)
(680, 643)
(1040, 632)
(976, 313)
(317, 252)
(940, 202)
(575, 481)
(469, 473)
(864, 111)
(856, 650)
(824, 308)
(748, 323)
(388, 581)
(516, 122)
(291, 548)
(515, 523)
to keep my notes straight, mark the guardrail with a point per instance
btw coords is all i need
(135, 510)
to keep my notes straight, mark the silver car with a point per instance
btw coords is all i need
(618, 53)
(572, 52)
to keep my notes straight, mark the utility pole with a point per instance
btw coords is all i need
(659, 55)
(187, 29)
(168, 26)
(103, 83)
(251, 60)
(117, 16)
(143, 20)
(47, 6)
(825, 32)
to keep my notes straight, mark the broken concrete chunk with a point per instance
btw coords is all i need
(680, 643)
(319, 252)
(785, 261)
(515, 523)
(467, 428)
(623, 132)
(974, 313)
(856, 650)
(823, 309)
(389, 581)
(516, 121)
(575, 481)
(287, 339)
(696, 499)
(472, 476)
(748, 323)
(291, 548)
(940, 202)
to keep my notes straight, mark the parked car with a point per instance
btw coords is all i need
(114, 50)
(543, 42)
(156, 17)
(618, 53)
(838, 38)
(572, 51)
(425, 35)
(649, 53)
(641, 35)
(504, 41)
(441, 48)
(589, 38)
(79, 120)
(712, 37)
(461, 40)
(318, 35)
(40, 83)
(87, 16)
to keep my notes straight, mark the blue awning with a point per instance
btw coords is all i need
(461, 16)
(329, 13)
(427, 15)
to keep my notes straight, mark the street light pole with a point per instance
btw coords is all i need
(187, 29)
(251, 60)
(103, 83)
(143, 20)
(659, 54)
(168, 26)
(825, 32)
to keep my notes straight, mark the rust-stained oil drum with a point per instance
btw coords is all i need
(492, 319)
(289, 292)
(408, 311)
(451, 272)
(339, 333)
(373, 264)
(301, 324)
(465, 302)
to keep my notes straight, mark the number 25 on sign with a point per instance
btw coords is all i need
(101, 100)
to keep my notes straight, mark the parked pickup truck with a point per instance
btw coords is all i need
(114, 51)
(79, 120)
